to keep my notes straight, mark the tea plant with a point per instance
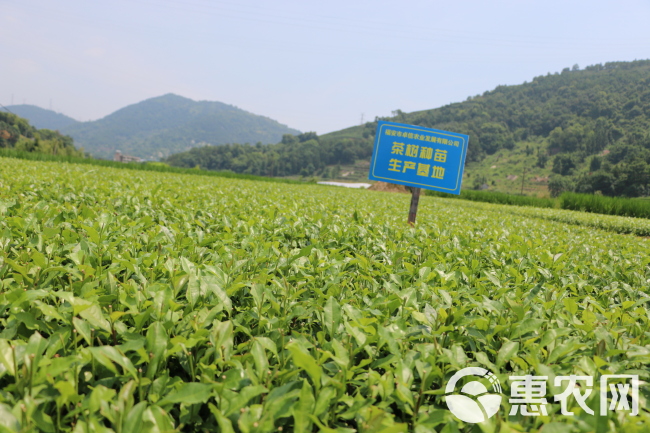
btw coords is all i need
(147, 302)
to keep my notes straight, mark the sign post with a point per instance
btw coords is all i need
(418, 157)
(415, 200)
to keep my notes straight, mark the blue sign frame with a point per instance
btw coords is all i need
(419, 157)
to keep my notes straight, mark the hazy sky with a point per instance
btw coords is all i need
(312, 65)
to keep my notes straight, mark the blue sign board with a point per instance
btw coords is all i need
(418, 156)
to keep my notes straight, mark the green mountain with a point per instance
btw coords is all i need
(160, 126)
(584, 130)
(16, 133)
(41, 117)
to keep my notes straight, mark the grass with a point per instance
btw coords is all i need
(616, 206)
(606, 205)
(498, 198)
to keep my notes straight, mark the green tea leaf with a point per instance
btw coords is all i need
(506, 352)
(332, 316)
(188, 393)
(303, 360)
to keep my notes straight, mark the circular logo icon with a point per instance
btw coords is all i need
(474, 403)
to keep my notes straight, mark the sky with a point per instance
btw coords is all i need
(312, 65)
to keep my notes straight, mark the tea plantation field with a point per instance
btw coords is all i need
(156, 302)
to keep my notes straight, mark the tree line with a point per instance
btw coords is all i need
(304, 154)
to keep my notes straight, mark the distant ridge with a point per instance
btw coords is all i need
(41, 117)
(158, 127)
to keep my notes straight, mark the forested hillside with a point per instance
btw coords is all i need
(160, 126)
(593, 125)
(590, 128)
(40, 117)
(17, 133)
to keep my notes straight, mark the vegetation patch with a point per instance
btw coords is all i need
(144, 301)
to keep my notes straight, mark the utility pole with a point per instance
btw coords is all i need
(523, 178)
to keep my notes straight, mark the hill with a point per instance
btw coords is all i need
(41, 117)
(587, 130)
(584, 130)
(16, 133)
(160, 126)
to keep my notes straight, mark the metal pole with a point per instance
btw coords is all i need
(415, 199)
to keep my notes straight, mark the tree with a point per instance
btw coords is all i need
(637, 179)
(559, 184)
(563, 164)
(595, 163)
(569, 139)
(479, 181)
(600, 181)
(495, 136)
